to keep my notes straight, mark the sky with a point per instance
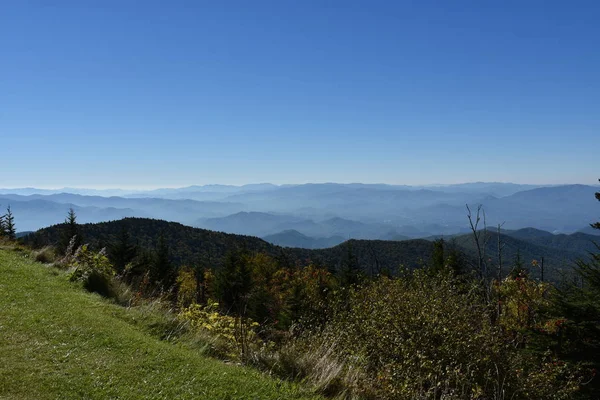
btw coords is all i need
(141, 94)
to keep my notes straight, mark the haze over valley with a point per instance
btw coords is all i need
(319, 215)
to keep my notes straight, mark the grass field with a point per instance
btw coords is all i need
(59, 342)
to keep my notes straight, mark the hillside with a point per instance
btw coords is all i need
(57, 341)
(193, 245)
(559, 251)
(578, 242)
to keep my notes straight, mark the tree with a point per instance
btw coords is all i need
(234, 282)
(9, 224)
(350, 273)
(2, 232)
(579, 303)
(480, 242)
(121, 252)
(163, 270)
(596, 225)
(446, 257)
(70, 232)
(500, 248)
(455, 259)
(437, 258)
(518, 268)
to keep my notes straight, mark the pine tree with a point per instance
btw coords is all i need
(580, 304)
(597, 224)
(234, 282)
(455, 259)
(9, 224)
(2, 228)
(70, 230)
(163, 270)
(350, 273)
(438, 259)
(518, 268)
(121, 252)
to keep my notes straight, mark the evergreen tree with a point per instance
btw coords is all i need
(2, 226)
(350, 273)
(596, 225)
(163, 270)
(70, 231)
(9, 224)
(580, 304)
(438, 258)
(518, 268)
(234, 282)
(121, 252)
(142, 264)
(455, 259)
(446, 257)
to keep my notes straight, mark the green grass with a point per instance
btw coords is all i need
(58, 341)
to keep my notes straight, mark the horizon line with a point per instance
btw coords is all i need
(154, 188)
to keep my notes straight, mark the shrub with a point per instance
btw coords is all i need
(521, 302)
(187, 286)
(433, 337)
(93, 270)
(45, 255)
(232, 336)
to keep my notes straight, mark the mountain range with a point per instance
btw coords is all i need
(325, 213)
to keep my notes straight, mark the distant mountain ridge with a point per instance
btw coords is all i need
(360, 211)
(292, 238)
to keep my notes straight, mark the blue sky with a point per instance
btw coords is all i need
(143, 94)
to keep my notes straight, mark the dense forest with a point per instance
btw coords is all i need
(194, 246)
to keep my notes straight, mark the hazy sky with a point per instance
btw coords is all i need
(170, 93)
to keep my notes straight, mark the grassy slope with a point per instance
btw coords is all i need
(57, 341)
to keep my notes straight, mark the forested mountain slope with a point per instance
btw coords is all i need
(192, 246)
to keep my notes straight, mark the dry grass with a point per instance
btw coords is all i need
(315, 365)
(45, 255)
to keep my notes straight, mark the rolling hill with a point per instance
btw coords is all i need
(193, 245)
(559, 251)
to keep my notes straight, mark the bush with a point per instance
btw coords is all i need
(187, 286)
(432, 337)
(45, 255)
(93, 270)
(232, 337)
